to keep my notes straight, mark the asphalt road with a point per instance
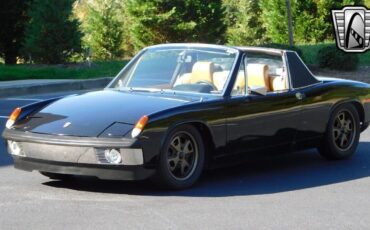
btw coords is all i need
(292, 191)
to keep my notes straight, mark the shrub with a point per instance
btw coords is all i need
(333, 58)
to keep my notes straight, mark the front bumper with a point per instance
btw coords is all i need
(78, 155)
(105, 172)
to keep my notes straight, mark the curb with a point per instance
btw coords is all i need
(51, 87)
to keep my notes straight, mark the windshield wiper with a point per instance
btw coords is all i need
(139, 89)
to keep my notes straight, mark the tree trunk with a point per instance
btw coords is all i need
(10, 58)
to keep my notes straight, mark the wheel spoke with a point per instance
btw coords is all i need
(176, 144)
(343, 140)
(188, 148)
(349, 126)
(336, 133)
(341, 118)
(172, 163)
(184, 167)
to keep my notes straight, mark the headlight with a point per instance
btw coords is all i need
(113, 156)
(15, 148)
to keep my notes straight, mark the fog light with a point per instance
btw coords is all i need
(15, 148)
(113, 156)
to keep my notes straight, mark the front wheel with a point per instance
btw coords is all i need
(343, 133)
(182, 158)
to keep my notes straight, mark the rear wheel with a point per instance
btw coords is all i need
(56, 176)
(182, 158)
(343, 133)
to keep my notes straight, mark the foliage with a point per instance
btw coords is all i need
(274, 16)
(332, 58)
(67, 71)
(312, 22)
(245, 26)
(52, 36)
(324, 25)
(13, 18)
(104, 29)
(309, 26)
(163, 21)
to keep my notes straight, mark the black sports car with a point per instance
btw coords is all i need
(177, 109)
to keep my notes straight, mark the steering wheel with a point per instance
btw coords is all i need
(203, 82)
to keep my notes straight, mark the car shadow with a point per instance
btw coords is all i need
(287, 172)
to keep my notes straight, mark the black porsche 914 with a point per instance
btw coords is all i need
(177, 109)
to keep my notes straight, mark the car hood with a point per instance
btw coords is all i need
(90, 114)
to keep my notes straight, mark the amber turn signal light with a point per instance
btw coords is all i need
(139, 126)
(13, 117)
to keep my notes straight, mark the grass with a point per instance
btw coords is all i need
(71, 71)
(310, 54)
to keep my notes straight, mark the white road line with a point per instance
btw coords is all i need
(22, 99)
(4, 117)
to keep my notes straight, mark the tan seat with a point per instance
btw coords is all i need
(184, 79)
(278, 83)
(219, 79)
(258, 75)
(202, 71)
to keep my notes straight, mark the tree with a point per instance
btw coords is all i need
(324, 8)
(52, 36)
(104, 29)
(245, 26)
(13, 18)
(162, 21)
(310, 26)
(312, 19)
(275, 19)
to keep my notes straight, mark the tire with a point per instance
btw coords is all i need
(56, 176)
(343, 133)
(181, 161)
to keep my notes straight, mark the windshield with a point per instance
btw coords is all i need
(193, 69)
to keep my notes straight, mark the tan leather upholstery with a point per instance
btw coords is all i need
(278, 83)
(258, 75)
(202, 71)
(219, 79)
(183, 79)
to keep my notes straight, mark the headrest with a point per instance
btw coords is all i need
(202, 71)
(258, 75)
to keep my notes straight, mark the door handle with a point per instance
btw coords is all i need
(300, 96)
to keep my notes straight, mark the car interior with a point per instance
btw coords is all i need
(264, 71)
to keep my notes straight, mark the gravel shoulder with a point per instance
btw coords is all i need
(361, 74)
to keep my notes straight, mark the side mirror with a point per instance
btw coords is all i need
(258, 90)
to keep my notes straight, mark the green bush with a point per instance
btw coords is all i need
(333, 58)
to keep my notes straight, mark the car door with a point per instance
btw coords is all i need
(262, 122)
(258, 122)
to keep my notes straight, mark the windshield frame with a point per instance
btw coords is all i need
(133, 61)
